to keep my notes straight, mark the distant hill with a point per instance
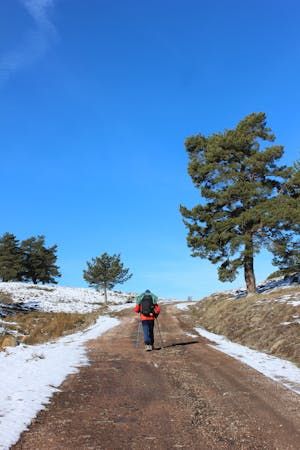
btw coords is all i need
(59, 299)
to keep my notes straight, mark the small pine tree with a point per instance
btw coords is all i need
(10, 258)
(38, 261)
(248, 200)
(105, 272)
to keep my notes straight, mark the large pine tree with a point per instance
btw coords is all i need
(38, 261)
(10, 258)
(248, 200)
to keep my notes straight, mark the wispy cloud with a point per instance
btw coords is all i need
(35, 42)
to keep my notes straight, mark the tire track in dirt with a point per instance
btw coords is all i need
(187, 395)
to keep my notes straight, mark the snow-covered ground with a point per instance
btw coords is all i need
(51, 298)
(275, 368)
(69, 299)
(163, 301)
(289, 299)
(184, 306)
(31, 374)
(279, 282)
(268, 286)
(61, 299)
(117, 308)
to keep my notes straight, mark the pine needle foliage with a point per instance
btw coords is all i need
(10, 258)
(29, 260)
(249, 201)
(39, 261)
(286, 250)
(105, 271)
(286, 257)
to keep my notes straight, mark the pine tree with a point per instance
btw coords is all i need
(286, 248)
(38, 261)
(286, 256)
(105, 272)
(248, 200)
(10, 258)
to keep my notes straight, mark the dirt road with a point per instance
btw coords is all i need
(185, 396)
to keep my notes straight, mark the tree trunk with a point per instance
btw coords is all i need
(249, 267)
(105, 294)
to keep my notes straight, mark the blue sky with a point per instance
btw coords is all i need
(97, 98)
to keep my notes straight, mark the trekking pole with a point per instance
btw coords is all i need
(138, 334)
(161, 341)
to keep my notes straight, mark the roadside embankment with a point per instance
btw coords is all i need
(38, 327)
(269, 322)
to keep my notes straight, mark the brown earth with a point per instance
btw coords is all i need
(184, 396)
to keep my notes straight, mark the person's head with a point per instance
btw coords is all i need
(147, 291)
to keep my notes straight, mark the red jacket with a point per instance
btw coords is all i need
(137, 309)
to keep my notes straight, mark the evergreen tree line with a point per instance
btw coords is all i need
(31, 260)
(27, 260)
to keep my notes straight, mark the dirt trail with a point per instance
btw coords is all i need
(185, 396)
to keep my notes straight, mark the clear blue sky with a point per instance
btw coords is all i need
(97, 98)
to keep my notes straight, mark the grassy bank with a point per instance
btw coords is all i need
(265, 322)
(39, 327)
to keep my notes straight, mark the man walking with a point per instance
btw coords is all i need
(148, 308)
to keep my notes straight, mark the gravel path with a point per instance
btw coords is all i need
(184, 396)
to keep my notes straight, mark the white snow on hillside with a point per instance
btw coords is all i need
(277, 369)
(184, 306)
(271, 285)
(61, 299)
(31, 374)
(118, 308)
(290, 299)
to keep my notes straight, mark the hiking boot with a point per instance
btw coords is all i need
(148, 348)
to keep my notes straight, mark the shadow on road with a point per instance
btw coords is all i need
(176, 344)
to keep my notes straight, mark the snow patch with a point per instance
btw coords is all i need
(192, 335)
(31, 374)
(294, 303)
(184, 306)
(297, 321)
(268, 286)
(275, 368)
(117, 308)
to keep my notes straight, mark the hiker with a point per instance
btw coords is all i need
(148, 308)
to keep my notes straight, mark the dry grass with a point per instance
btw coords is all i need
(39, 327)
(41, 288)
(5, 297)
(255, 321)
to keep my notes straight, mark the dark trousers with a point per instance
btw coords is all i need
(148, 329)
